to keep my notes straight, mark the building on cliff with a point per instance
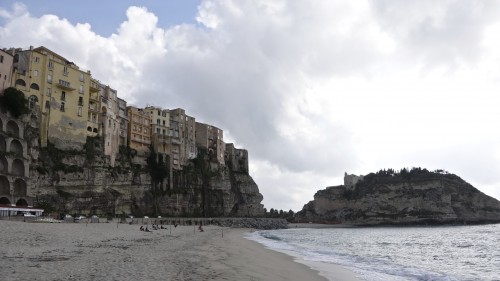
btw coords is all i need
(61, 90)
(139, 134)
(160, 130)
(237, 158)
(124, 122)
(6, 62)
(211, 139)
(183, 137)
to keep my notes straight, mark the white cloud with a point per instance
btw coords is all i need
(310, 88)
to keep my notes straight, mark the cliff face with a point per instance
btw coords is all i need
(412, 198)
(83, 182)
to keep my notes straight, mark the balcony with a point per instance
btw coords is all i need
(64, 85)
(94, 87)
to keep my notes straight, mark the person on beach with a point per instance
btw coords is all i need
(141, 228)
(200, 228)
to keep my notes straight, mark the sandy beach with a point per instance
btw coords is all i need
(109, 251)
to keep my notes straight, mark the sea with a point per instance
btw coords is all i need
(394, 253)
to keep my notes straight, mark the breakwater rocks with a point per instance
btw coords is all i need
(257, 223)
(408, 197)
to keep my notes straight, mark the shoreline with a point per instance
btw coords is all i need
(101, 251)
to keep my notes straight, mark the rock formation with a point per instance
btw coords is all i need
(410, 197)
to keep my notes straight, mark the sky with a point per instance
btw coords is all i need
(311, 88)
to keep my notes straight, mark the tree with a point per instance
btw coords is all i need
(158, 172)
(14, 101)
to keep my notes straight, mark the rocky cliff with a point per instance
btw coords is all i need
(83, 182)
(407, 197)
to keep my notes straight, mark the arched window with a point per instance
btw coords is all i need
(16, 147)
(3, 144)
(20, 188)
(89, 129)
(4, 186)
(3, 165)
(21, 202)
(95, 130)
(32, 101)
(18, 168)
(13, 128)
(34, 86)
(20, 82)
(4, 201)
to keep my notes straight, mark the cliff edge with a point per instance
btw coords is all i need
(416, 196)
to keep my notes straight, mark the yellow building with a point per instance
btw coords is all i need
(139, 136)
(160, 130)
(61, 90)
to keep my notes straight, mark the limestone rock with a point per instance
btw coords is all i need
(409, 197)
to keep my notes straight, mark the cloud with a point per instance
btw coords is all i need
(311, 88)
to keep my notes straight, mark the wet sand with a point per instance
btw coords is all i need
(110, 251)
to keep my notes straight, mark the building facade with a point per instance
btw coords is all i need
(182, 137)
(160, 129)
(110, 122)
(61, 90)
(6, 61)
(123, 118)
(14, 163)
(139, 136)
(211, 139)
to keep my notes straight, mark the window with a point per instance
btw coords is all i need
(157, 121)
(65, 71)
(80, 111)
(49, 78)
(37, 59)
(1, 59)
(82, 77)
(32, 100)
(49, 91)
(81, 89)
(35, 73)
(47, 104)
(80, 101)
(159, 112)
(63, 96)
(62, 106)
(158, 131)
(51, 64)
(163, 122)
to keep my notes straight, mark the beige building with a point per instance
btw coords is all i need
(110, 122)
(94, 111)
(6, 61)
(139, 131)
(160, 130)
(182, 137)
(237, 158)
(61, 90)
(211, 139)
(123, 118)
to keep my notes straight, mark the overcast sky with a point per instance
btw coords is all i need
(312, 88)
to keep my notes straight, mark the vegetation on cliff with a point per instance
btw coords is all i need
(408, 196)
(14, 101)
